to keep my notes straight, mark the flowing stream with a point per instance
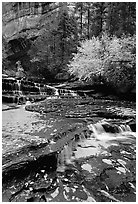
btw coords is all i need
(92, 156)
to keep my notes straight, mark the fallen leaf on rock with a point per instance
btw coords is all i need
(90, 199)
(121, 169)
(108, 195)
(107, 161)
(87, 167)
(43, 171)
(132, 186)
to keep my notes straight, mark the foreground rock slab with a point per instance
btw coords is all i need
(86, 158)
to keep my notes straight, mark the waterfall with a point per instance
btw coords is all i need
(100, 128)
(61, 162)
(36, 85)
(109, 131)
(65, 157)
(96, 129)
(103, 134)
(19, 87)
(39, 88)
(82, 136)
(66, 92)
(125, 128)
(56, 92)
(67, 154)
(73, 93)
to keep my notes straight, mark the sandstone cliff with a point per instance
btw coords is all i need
(25, 19)
(23, 22)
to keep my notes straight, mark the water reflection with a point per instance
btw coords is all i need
(17, 126)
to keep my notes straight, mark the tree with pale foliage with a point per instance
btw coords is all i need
(87, 61)
(110, 57)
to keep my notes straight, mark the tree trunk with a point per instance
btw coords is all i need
(81, 14)
(101, 18)
(88, 24)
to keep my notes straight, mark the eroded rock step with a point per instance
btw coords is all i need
(26, 155)
(86, 166)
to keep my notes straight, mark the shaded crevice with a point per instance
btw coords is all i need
(23, 169)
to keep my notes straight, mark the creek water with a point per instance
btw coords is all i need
(96, 164)
(17, 124)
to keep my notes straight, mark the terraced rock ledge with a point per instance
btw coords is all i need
(85, 151)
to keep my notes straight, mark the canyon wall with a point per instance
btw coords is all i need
(22, 22)
(24, 18)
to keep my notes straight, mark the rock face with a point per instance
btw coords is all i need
(23, 19)
(22, 22)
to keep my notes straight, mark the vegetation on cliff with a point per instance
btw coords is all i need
(54, 48)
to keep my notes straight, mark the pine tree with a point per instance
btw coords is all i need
(121, 18)
(67, 35)
(55, 47)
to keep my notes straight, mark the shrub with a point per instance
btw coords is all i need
(119, 61)
(111, 57)
(87, 61)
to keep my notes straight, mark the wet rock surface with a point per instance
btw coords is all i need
(74, 149)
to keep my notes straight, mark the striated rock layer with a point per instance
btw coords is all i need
(22, 22)
(24, 18)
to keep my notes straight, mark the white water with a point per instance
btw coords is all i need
(19, 87)
(65, 92)
(98, 142)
